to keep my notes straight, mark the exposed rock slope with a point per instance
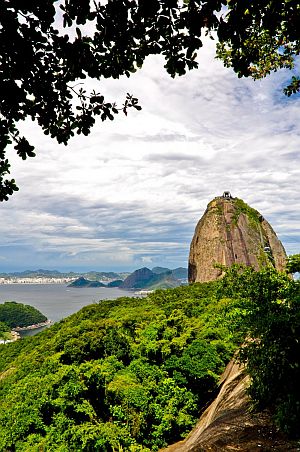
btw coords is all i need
(228, 424)
(230, 232)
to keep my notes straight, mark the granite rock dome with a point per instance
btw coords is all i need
(231, 232)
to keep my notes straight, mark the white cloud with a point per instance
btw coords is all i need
(135, 188)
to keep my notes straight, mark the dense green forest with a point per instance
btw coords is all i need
(4, 331)
(15, 314)
(134, 374)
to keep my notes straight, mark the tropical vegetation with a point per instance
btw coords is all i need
(134, 374)
(270, 323)
(14, 314)
(4, 331)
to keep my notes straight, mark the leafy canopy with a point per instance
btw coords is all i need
(258, 37)
(18, 314)
(134, 374)
(129, 374)
(270, 308)
(41, 64)
(293, 264)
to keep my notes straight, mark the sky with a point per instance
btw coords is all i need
(131, 193)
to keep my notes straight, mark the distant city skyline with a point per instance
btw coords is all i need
(130, 194)
(63, 271)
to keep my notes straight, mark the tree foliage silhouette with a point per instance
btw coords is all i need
(41, 62)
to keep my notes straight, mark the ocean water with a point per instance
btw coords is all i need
(57, 301)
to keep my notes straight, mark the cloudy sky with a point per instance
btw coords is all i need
(130, 194)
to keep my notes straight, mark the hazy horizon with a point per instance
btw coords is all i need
(86, 270)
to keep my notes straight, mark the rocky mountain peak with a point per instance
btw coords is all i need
(231, 232)
(137, 279)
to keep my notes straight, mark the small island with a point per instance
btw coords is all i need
(115, 283)
(82, 282)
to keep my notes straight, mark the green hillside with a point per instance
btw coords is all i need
(82, 282)
(115, 283)
(4, 331)
(144, 278)
(159, 270)
(134, 374)
(162, 281)
(15, 314)
(100, 378)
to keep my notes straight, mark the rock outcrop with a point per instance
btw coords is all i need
(229, 423)
(230, 232)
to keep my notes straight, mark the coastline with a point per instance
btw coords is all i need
(4, 281)
(56, 301)
(32, 327)
(14, 337)
(15, 332)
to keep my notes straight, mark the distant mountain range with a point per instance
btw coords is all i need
(157, 278)
(143, 278)
(177, 273)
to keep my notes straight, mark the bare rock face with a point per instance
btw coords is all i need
(230, 232)
(230, 424)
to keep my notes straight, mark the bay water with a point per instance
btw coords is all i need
(57, 301)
